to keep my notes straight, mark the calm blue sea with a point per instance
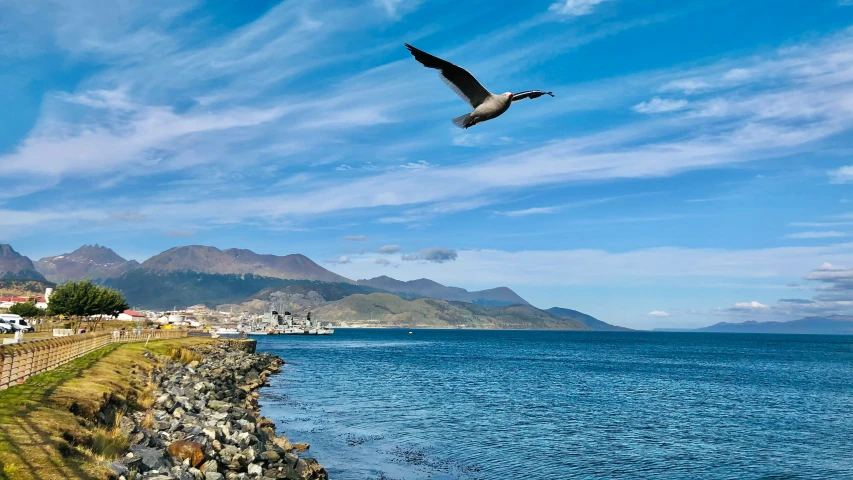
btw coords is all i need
(439, 404)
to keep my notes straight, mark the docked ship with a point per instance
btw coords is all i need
(327, 330)
(274, 323)
(225, 332)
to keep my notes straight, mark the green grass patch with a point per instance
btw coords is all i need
(48, 427)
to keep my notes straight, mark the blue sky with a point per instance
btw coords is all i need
(695, 165)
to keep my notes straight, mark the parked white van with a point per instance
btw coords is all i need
(16, 322)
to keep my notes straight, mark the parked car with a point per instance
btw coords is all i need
(5, 327)
(17, 322)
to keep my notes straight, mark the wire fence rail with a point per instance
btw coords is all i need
(20, 361)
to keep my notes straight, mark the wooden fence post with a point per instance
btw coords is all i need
(21, 361)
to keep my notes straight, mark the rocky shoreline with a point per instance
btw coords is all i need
(205, 424)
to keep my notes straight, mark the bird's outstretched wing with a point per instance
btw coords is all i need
(457, 78)
(529, 94)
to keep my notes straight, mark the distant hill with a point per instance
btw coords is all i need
(384, 309)
(832, 325)
(297, 298)
(195, 274)
(164, 290)
(14, 266)
(501, 296)
(92, 262)
(329, 292)
(585, 319)
(211, 260)
(24, 287)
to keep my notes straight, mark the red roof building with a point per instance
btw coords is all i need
(15, 299)
(131, 315)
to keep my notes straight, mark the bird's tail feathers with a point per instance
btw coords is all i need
(462, 122)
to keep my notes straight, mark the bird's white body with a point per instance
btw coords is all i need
(493, 106)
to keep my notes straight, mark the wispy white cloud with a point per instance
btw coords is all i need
(295, 179)
(419, 165)
(389, 249)
(390, 6)
(534, 211)
(355, 238)
(712, 199)
(467, 139)
(575, 7)
(135, 133)
(825, 234)
(834, 296)
(144, 137)
(372, 167)
(842, 175)
(749, 306)
(420, 214)
(433, 254)
(820, 224)
(686, 85)
(736, 75)
(123, 31)
(557, 208)
(583, 159)
(658, 313)
(396, 8)
(134, 130)
(660, 266)
(660, 105)
(341, 261)
(23, 218)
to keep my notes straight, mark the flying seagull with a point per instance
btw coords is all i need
(486, 104)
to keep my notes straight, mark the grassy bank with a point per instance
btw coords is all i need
(56, 426)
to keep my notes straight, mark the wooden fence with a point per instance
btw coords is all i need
(23, 360)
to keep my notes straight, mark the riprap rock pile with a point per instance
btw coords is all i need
(205, 424)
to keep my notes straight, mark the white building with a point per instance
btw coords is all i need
(131, 316)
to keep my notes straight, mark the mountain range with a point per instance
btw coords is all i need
(196, 274)
(92, 262)
(211, 260)
(14, 266)
(831, 325)
(501, 296)
(390, 310)
(588, 320)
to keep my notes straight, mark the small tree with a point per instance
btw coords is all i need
(85, 299)
(111, 303)
(26, 310)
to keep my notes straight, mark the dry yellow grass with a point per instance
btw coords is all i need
(46, 427)
(185, 355)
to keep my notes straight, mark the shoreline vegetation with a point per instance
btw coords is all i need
(176, 409)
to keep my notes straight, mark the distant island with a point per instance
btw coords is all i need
(829, 325)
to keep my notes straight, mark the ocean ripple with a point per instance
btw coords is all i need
(494, 405)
